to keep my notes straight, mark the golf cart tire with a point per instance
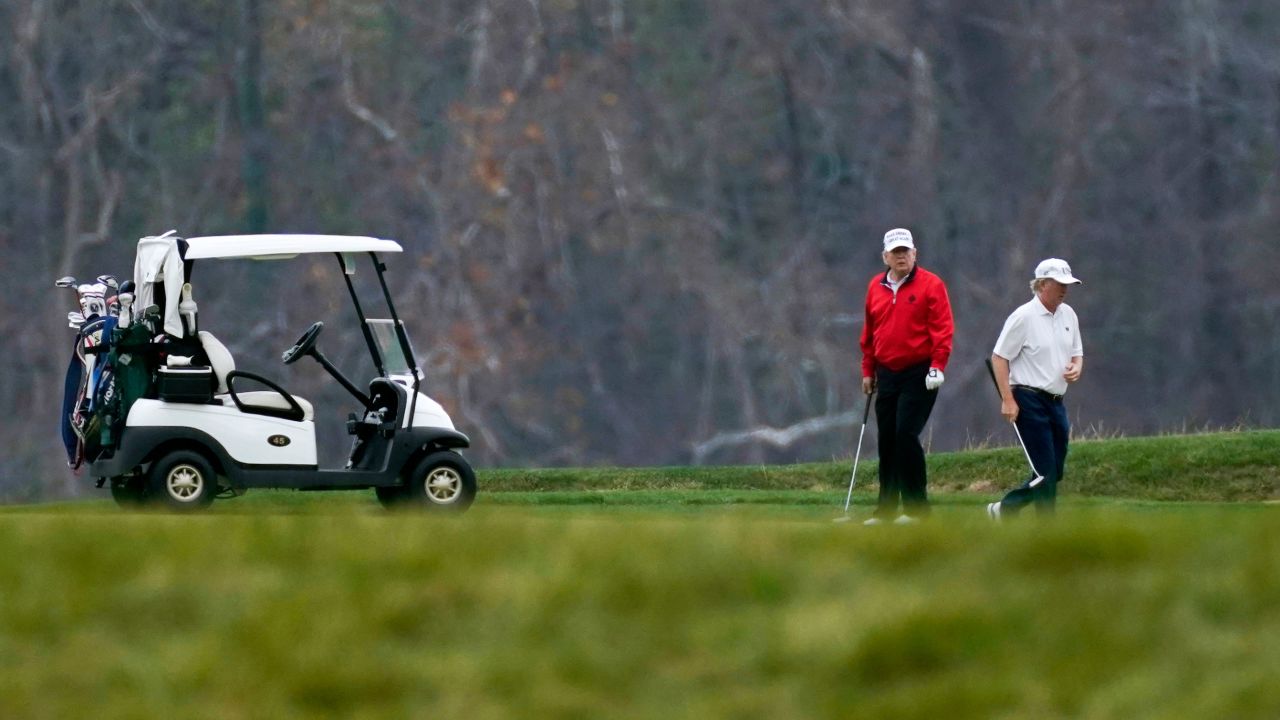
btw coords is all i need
(182, 480)
(129, 492)
(441, 482)
(392, 497)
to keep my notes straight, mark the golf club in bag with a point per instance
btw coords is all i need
(1037, 477)
(866, 412)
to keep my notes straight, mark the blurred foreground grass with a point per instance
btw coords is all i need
(1110, 611)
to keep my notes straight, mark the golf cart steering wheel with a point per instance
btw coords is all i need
(303, 346)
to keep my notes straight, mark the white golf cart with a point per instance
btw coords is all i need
(193, 434)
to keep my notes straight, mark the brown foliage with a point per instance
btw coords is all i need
(632, 228)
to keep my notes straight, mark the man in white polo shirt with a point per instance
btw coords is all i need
(1038, 353)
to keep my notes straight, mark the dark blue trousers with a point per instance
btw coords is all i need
(903, 406)
(1045, 429)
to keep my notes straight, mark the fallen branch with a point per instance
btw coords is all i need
(777, 437)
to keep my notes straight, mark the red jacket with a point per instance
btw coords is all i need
(914, 328)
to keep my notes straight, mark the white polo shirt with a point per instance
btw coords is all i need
(1038, 345)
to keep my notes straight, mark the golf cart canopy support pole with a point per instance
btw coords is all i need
(405, 348)
(364, 325)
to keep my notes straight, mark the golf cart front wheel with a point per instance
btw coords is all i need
(441, 481)
(183, 480)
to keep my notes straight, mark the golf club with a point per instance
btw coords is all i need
(1038, 478)
(866, 412)
(75, 318)
(112, 295)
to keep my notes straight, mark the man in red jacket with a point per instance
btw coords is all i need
(906, 341)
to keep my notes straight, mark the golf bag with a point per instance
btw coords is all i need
(94, 324)
(121, 341)
(124, 333)
(133, 360)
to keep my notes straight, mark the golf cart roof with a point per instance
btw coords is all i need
(273, 247)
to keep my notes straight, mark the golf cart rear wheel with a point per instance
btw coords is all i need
(183, 480)
(441, 481)
(390, 497)
(129, 491)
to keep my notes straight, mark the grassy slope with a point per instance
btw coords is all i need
(1208, 467)
(1211, 467)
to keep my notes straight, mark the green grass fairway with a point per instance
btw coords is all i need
(519, 612)
(668, 593)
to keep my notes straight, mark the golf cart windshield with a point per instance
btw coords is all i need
(384, 336)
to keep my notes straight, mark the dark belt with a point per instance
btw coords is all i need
(1042, 393)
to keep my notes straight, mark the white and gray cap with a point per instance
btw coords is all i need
(1056, 269)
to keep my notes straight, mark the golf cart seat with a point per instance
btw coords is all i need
(275, 402)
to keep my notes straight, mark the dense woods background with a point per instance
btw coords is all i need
(640, 232)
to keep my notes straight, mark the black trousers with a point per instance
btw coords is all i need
(903, 406)
(1045, 429)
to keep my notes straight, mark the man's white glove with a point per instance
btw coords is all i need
(933, 380)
